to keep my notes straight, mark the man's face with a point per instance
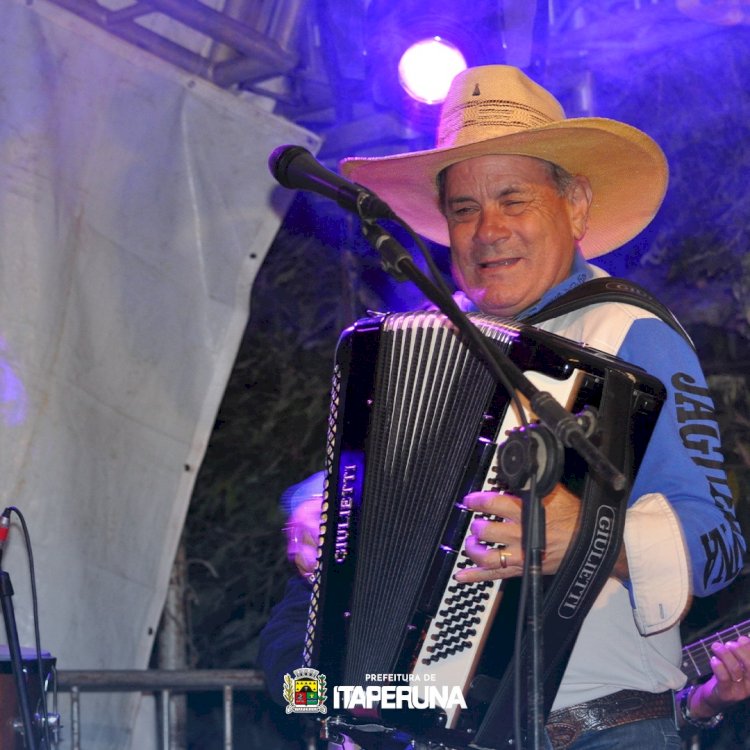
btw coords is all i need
(512, 234)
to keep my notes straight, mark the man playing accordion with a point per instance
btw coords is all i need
(525, 198)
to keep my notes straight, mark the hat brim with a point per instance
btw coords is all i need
(627, 170)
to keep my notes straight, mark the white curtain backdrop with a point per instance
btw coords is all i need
(135, 210)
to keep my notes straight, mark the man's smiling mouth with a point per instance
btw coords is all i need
(502, 263)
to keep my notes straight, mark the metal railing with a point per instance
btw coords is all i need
(161, 682)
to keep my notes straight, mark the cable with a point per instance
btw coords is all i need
(35, 609)
(437, 277)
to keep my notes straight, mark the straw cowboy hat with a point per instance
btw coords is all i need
(497, 109)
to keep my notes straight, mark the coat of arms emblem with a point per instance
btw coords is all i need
(305, 691)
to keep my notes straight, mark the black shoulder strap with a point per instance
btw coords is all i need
(608, 289)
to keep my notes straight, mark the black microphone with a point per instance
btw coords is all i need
(295, 167)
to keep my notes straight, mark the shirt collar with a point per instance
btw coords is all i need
(580, 272)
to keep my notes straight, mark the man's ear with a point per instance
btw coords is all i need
(580, 197)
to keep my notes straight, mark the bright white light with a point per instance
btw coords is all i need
(427, 68)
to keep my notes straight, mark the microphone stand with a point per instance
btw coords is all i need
(11, 630)
(563, 426)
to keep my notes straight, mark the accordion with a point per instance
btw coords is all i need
(415, 424)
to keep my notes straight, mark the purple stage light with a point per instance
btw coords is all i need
(427, 68)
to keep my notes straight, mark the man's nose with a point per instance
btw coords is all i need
(492, 226)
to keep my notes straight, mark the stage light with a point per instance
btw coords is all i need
(488, 34)
(427, 68)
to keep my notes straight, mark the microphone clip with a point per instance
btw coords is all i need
(392, 253)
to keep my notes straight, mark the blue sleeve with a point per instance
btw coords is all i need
(684, 459)
(283, 637)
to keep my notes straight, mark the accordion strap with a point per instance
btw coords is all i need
(583, 572)
(608, 289)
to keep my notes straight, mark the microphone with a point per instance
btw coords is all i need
(4, 529)
(296, 168)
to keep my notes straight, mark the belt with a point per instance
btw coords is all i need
(567, 724)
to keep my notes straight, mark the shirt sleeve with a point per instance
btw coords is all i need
(683, 464)
(658, 562)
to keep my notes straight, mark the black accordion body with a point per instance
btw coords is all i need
(414, 425)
